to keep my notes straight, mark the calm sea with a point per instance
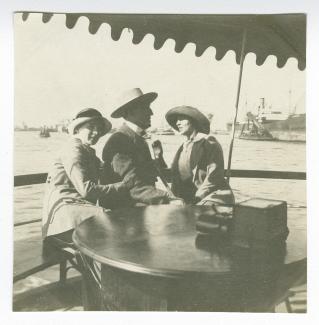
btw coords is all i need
(34, 155)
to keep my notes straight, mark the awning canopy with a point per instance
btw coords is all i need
(281, 35)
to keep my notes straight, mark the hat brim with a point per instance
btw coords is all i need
(202, 123)
(81, 120)
(145, 98)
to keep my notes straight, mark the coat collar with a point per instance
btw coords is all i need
(196, 154)
(197, 151)
(139, 131)
(137, 139)
(73, 141)
(195, 138)
(198, 137)
(128, 131)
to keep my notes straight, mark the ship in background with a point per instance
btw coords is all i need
(44, 132)
(271, 125)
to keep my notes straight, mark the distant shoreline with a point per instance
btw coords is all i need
(35, 130)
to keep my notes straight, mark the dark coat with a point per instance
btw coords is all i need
(126, 151)
(74, 178)
(207, 165)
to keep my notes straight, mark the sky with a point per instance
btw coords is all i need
(59, 71)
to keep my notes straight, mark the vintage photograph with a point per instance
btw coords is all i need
(160, 162)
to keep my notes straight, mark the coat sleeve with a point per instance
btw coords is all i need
(76, 162)
(119, 154)
(213, 163)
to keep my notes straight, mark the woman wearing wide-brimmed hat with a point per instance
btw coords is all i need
(72, 189)
(198, 166)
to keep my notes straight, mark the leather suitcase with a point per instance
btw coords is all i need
(258, 222)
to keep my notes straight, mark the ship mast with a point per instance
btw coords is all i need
(261, 107)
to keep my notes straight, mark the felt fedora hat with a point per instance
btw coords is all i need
(132, 98)
(201, 122)
(86, 115)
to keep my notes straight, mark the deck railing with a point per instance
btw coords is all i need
(33, 179)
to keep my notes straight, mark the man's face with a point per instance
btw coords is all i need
(141, 116)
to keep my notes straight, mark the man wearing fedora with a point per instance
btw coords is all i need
(127, 151)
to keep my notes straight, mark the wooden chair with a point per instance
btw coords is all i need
(30, 258)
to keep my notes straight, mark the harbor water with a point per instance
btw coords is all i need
(35, 155)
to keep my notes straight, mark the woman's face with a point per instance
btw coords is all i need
(185, 126)
(90, 132)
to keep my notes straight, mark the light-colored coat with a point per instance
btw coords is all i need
(73, 179)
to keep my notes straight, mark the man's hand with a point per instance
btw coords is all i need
(129, 179)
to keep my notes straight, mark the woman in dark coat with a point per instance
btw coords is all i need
(72, 189)
(198, 166)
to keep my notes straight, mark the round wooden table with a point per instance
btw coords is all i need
(152, 258)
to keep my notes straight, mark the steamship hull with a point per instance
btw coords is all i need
(292, 129)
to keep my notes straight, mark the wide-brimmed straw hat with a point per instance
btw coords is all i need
(86, 115)
(201, 122)
(132, 98)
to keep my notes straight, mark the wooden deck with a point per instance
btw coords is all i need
(40, 292)
(37, 293)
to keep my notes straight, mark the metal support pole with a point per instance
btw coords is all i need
(242, 58)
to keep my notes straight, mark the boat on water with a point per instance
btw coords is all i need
(44, 133)
(254, 130)
(293, 128)
(256, 137)
(271, 125)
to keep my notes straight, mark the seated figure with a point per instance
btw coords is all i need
(72, 188)
(198, 167)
